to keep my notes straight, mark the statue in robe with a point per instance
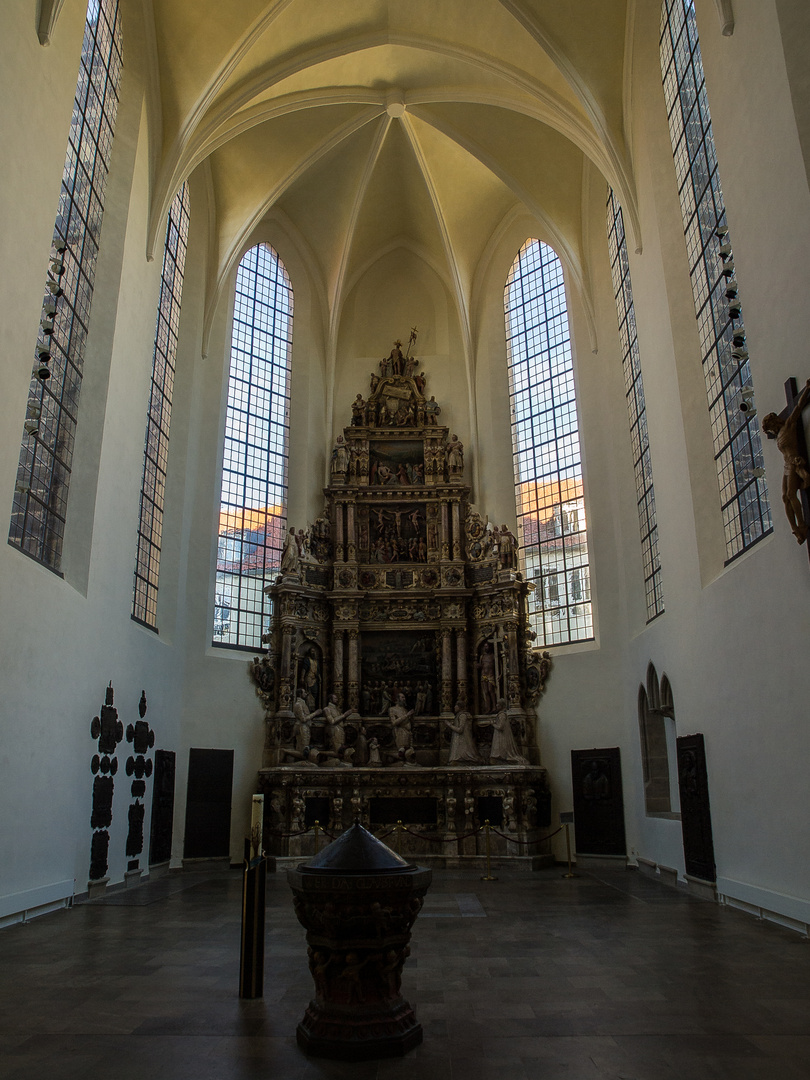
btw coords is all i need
(503, 747)
(462, 743)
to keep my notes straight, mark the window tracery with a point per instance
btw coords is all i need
(545, 444)
(46, 452)
(737, 441)
(636, 407)
(156, 448)
(253, 503)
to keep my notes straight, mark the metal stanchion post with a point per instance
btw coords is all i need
(251, 959)
(488, 876)
(399, 838)
(570, 873)
(316, 827)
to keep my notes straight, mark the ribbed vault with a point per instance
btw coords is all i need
(375, 122)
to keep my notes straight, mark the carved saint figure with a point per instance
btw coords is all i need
(374, 752)
(393, 364)
(462, 743)
(358, 411)
(455, 455)
(489, 686)
(340, 457)
(290, 557)
(400, 717)
(503, 741)
(334, 718)
(302, 725)
(508, 549)
(432, 410)
(796, 475)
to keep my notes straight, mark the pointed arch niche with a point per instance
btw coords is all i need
(656, 721)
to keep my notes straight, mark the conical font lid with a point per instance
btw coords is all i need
(356, 852)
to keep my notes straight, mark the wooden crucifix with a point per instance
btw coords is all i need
(787, 429)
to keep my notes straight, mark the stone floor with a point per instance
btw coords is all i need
(603, 977)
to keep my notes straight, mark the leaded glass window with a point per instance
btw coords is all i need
(156, 449)
(253, 505)
(636, 407)
(46, 453)
(545, 445)
(737, 441)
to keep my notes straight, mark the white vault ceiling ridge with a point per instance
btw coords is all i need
(458, 286)
(229, 63)
(337, 294)
(154, 100)
(627, 75)
(586, 204)
(557, 55)
(261, 113)
(615, 147)
(299, 60)
(483, 267)
(211, 245)
(229, 258)
(336, 298)
(193, 143)
(196, 139)
(584, 138)
(561, 245)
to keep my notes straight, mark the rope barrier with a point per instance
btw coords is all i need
(431, 838)
(526, 843)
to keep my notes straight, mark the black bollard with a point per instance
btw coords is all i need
(251, 961)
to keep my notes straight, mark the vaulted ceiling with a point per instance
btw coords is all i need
(372, 123)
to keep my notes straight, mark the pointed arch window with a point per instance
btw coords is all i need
(737, 442)
(549, 490)
(158, 421)
(253, 505)
(656, 721)
(636, 407)
(46, 453)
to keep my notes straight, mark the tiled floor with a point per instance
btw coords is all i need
(531, 976)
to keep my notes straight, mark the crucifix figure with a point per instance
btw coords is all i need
(787, 429)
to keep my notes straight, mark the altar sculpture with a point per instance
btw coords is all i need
(400, 675)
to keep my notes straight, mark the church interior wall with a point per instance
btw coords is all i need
(732, 639)
(64, 638)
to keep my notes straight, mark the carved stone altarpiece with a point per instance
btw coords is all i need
(400, 678)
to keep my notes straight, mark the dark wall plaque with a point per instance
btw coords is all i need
(160, 843)
(596, 776)
(99, 846)
(489, 808)
(208, 804)
(135, 834)
(413, 810)
(101, 816)
(316, 808)
(696, 817)
(317, 576)
(479, 574)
